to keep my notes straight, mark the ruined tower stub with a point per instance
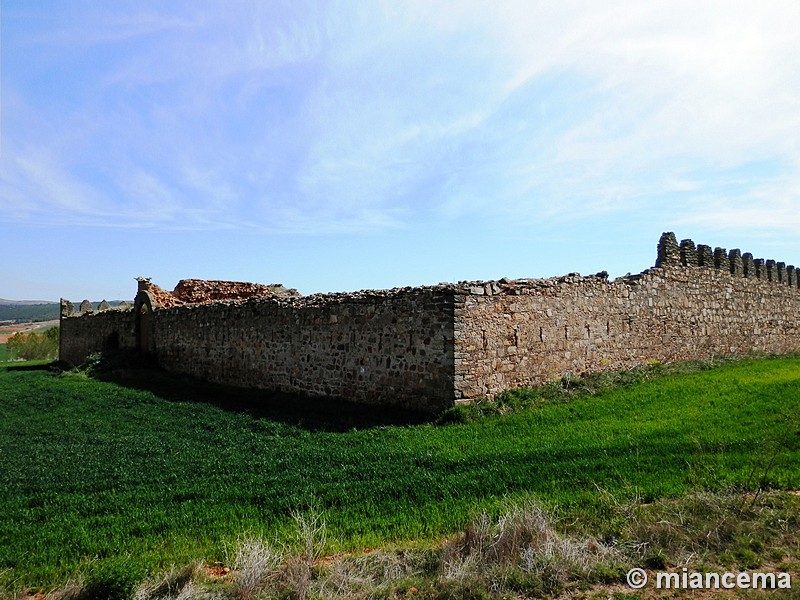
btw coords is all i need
(67, 309)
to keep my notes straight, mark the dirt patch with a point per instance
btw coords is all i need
(217, 570)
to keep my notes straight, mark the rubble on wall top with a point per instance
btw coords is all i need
(162, 297)
(201, 291)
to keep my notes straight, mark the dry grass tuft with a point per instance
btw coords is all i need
(72, 591)
(521, 551)
(255, 567)
(175, 583)
(311, 533)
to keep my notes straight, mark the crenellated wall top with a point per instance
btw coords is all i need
(87, 308)
(738, 264)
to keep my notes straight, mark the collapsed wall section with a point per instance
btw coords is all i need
(199, 291)
(393, 347)
(530, 332)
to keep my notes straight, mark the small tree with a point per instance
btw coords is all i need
(34, 346)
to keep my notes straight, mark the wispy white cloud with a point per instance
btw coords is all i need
(771, 209)
(33, 182)
(87, 26)
(299, 117)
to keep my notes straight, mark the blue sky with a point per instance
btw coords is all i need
(336, 146)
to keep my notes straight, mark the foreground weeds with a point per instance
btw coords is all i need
(525, 552)
(522, 552)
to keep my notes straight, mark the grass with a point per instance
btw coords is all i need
(3, 352)
(163, 472)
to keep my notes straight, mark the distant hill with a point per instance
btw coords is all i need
(31, 310)
(11, 310)
(4, 302)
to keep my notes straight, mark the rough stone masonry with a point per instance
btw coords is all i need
(431, 347)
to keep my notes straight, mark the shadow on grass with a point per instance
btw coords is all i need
(30, 365)
(314, 414)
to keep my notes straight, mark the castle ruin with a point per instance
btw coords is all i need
(431, 347)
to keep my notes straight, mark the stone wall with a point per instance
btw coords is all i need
(509, 334)
(392, 347)
(84, 334)
(374, 347)
(429, 347)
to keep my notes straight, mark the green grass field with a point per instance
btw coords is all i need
(3, 353)
(168, 471)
